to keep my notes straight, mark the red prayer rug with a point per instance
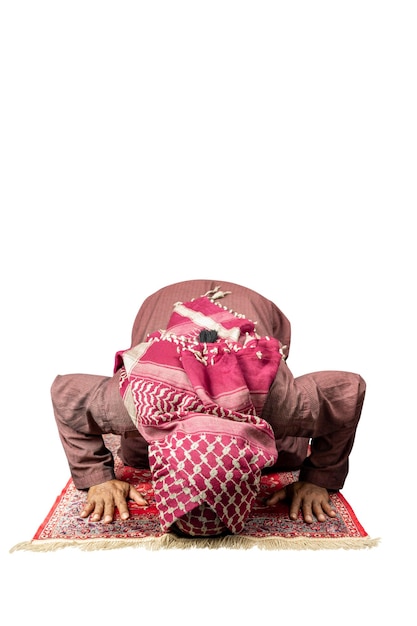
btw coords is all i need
(267, 527)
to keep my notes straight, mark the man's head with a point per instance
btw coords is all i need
(206, 474)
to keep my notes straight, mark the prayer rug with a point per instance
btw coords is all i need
(267, 527)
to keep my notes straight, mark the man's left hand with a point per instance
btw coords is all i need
(307, 497)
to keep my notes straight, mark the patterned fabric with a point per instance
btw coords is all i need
(198, 405)
(266, 527)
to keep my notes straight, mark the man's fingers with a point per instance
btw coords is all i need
(295, 506)
(88, 508)
(108, 512)
(136, 496)
(93, 508)
(121, 501)
(326, 509)
(121, 504)
(97, 512)
(313, 501)
(307, 513)
(276, 497)
(318, 512)
(312, 508)
(102, 501)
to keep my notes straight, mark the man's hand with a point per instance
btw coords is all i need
(311, 499)
(102, 499)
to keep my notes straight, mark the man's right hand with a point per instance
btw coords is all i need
(102, 500)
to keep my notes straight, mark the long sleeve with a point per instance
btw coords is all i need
(324, 407)
(85, 408)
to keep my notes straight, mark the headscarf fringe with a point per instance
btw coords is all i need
(216, 293)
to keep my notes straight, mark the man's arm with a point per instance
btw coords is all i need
(85, 408)
(79, 412)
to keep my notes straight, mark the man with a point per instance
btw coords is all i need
(321, 409)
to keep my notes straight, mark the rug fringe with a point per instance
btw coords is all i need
(171, 541)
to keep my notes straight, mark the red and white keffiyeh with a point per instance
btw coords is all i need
(196, 397)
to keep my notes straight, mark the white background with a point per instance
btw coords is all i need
(266, 143)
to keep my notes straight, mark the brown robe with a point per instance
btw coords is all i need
(321, 407)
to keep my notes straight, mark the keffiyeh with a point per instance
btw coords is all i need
(195, 391)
